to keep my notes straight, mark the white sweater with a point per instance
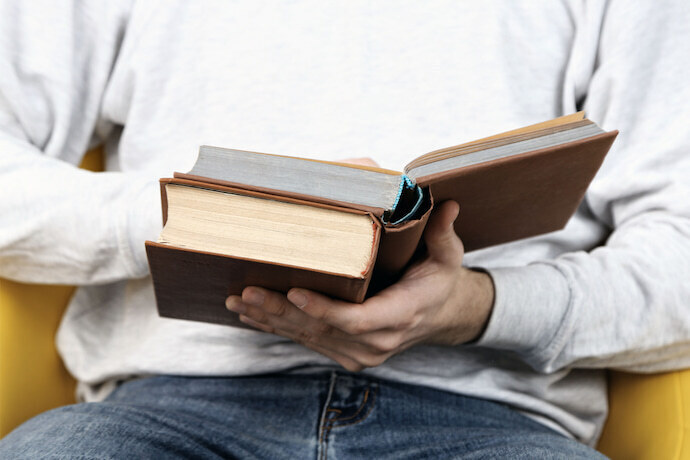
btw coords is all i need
(387, 79)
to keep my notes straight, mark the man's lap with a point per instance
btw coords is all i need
(329, 415)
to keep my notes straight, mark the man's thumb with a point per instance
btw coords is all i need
(441, 241)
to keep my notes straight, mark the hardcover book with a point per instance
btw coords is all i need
(242, 218)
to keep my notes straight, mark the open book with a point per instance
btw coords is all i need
(243, 218)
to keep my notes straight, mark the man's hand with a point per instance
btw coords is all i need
(437, 301)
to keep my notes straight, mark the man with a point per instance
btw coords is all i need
(505, 361)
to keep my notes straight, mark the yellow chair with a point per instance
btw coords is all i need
(32, 376)
(649, 414)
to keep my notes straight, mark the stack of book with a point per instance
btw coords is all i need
(242, 218)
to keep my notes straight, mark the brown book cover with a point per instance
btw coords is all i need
(193, 285)
(501, 200)
(520, 196)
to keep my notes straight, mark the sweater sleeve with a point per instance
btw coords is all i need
(60, 224)
(625, 304)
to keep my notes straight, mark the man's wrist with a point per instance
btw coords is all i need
(480, 300)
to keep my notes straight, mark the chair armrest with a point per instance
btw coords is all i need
(32, 376)
(649, 416)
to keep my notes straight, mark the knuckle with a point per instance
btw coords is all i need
(304, 337)
(322, 314)
(405, 323)
(370, 360)
(260, 317)
(385, 344)
(415, 320)
(357, 327)
(324, 329)
(352, 367)
(277, 307)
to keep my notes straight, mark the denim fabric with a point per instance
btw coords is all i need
(324, 416)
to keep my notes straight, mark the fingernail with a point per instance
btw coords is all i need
(297, 298)
(234, 303)
(253, 297)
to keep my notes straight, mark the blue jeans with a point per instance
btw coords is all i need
(327, 416)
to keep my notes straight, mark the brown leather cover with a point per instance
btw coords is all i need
(398, 246)
(193, 285)
(520, 196)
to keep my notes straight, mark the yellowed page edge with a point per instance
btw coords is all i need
(526, 129)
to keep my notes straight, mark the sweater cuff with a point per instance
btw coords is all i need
(142, 221)
(530, 305)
